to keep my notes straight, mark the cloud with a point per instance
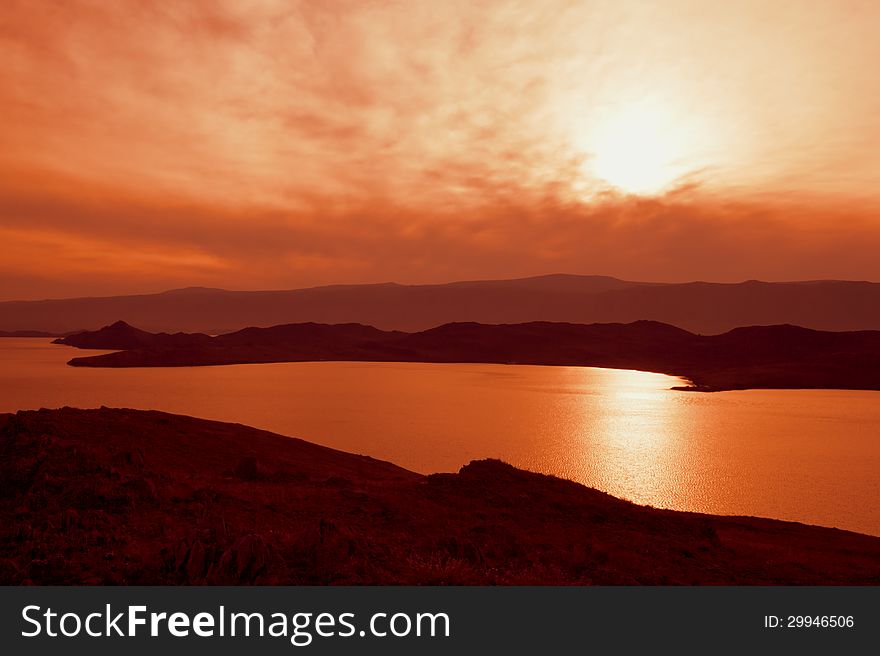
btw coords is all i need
(279, 144)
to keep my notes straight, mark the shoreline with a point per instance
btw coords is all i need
(756, 357)
(86, 362)
(147, 497)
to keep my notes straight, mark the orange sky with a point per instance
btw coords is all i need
(256, 144)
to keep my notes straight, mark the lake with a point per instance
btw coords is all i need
(805, 455)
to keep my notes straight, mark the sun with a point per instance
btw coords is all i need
(640, 149)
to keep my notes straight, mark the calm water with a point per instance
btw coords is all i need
(811, 456)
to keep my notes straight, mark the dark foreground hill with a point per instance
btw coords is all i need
(754, 357)
(132, 497)
(701, 307)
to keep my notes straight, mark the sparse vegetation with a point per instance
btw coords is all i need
(132, 497)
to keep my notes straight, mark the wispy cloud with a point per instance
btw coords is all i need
(276, 144)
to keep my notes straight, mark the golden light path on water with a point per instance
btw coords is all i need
(803, 455)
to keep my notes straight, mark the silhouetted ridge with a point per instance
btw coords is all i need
(195, 290)
(702, 307)
(26, 333)
(121, 335)
(758, 356)
(116, 496)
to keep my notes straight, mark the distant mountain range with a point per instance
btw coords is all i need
(755, 357)
(700, 307)
(26, 333)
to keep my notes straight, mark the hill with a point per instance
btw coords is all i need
(26, 333)
(700, 307)
(753, 357)
(114, 496)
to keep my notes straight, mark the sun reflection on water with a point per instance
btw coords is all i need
(634, 446)
(802, 455)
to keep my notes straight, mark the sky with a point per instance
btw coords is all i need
(256, 144)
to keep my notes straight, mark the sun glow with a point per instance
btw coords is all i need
(642, 149)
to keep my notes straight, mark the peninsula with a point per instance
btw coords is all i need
(781, 356)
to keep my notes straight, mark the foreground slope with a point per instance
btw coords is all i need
(124, 496)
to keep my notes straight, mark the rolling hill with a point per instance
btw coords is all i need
(700, 307)
(116, 496)
(782, 356)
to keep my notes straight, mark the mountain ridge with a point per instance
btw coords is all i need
(701, 307)
(783, 356)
